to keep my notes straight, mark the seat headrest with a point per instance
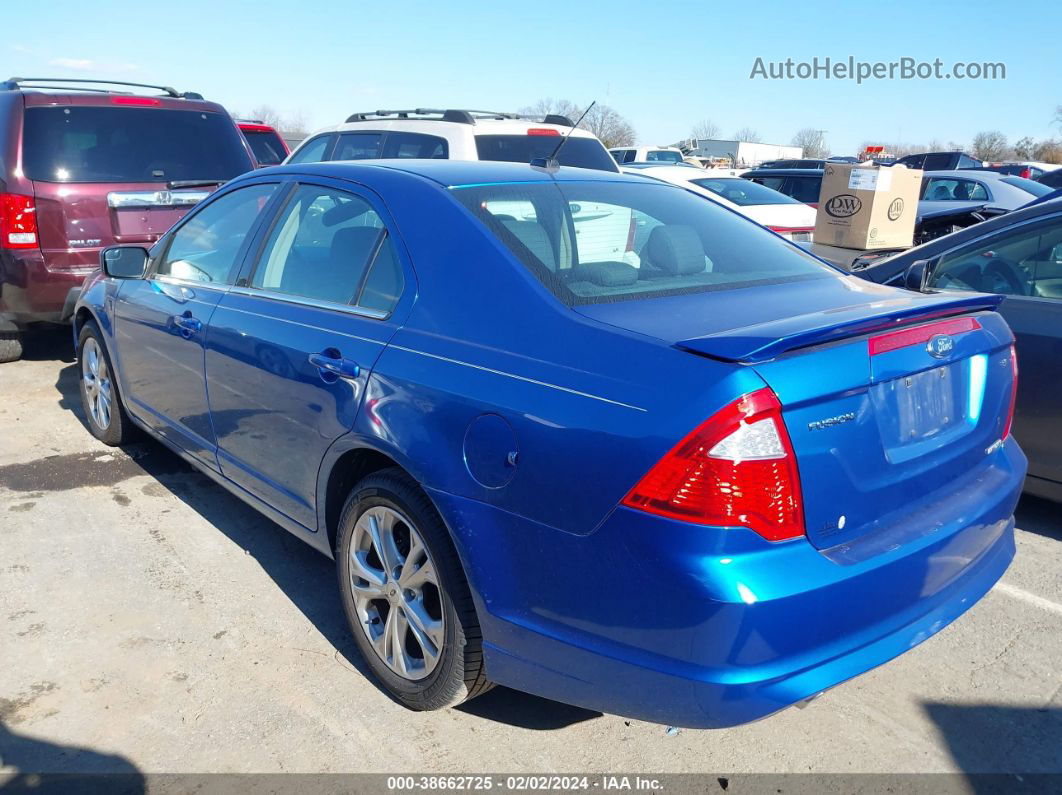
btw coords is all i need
(675, 249)
(353, 245)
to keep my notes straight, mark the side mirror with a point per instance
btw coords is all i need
(916, 275)
(124, 262)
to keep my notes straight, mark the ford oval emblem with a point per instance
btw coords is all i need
(940, 345)
(844, 205)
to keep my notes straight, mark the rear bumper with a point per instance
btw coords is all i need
(31, 293)
(708, 628)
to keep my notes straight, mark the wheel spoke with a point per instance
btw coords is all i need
(384, 541)
(361, 570)
(427, 631)
(414, 577)
(399, 659)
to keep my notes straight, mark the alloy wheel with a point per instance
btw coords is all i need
(96, 378)
(396, 593)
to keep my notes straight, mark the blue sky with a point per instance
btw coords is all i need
(663, 66)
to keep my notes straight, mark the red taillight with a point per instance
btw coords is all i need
(737, 469)
(542, 131)
(1026, 173)
(18, 221)
(135, 101)
(784, 230)
(894, 340)
(1013, 392)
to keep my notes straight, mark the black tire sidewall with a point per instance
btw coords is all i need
(446, 684)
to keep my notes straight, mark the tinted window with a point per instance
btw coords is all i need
(267, 147)
(774, 183)
(578, 152)
(406, 144)
(663, 156)
(314, 151)
(965, 161)
(804, 189)
(1027, 185)
(938, 162)
(205, 248)
(743, 192)
(954, 190)
(1053, 179)
(358, 146)
(681, 243)
(101, 144)
(322, 245)
(1026, 260)
(913, 161)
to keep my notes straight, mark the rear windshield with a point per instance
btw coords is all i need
(598, 242)
(578, 152)
(1028, 185)
(663, 156)
(743, 192)
(267, 146)
(101, 144)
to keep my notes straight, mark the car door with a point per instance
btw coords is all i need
(1025, 264)
(291, 346)
(160, 320)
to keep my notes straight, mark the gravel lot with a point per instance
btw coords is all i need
(150, 621)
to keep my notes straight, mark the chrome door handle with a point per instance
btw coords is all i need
(334, 365)
(188, 325)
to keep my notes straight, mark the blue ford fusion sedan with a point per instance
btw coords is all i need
(573, 432)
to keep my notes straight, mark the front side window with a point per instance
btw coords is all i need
(323, 247)
(1023, 261)
(358, 146)
(206, 247)
(313, 151)
(954, 190)
(594, 242)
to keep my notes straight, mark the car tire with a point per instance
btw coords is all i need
(10, 346)
(392, 503)
(100, 399)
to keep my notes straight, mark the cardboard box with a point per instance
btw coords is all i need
(867, 207)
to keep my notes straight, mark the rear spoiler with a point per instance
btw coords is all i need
(763, 341)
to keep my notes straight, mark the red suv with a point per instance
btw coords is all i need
(82, 167)
(268, 147)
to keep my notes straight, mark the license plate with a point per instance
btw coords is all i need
(921, 408)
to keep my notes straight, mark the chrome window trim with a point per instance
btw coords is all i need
(175, 280)
(289, 298)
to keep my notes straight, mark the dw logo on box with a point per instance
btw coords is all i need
(844, 205)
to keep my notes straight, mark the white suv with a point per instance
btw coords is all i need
(453, 134)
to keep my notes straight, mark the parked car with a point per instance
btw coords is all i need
(647, 154)
(939, 161)
(783, 214)
(1023, 170)
(1018, 255)
(508, 446)
(89, 166)
(1052, 179)
(942, 189)
(454, 135)
(803, 184)
(795, 163)
(268, 146)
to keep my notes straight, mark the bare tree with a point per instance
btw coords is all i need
(989, 145)
(1049, 151)
(603, 121)
(1058, 116)
(811, 141)
(291, 126)
(705, 129)
(1023, 148)
(748, 135)
(934, 145)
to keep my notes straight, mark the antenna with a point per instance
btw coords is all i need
(551, 163)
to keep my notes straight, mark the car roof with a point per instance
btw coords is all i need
(452, 173)
(785, 172)
(480, 127)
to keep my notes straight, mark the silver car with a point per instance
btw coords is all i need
(952, 189)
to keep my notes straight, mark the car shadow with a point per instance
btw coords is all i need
(1040, 516)
(994, 743)
(47, 343)
(39, 766)
(303, 574)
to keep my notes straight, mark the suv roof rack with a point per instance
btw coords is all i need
(453, 114)
(15, 83)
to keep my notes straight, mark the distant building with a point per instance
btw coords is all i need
(741, 154)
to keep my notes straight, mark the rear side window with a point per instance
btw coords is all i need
(358, 146)
(324, 245)
(804, 189)
(122, 144)
(954, 190)
(267, 146)
(313, 151)
(206, 247)
(406, 144)
(965, 161)
(578, 152)
(597, 242)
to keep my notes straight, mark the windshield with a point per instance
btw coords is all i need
(743, 192)
(101, 144)
(577, 151)
(598, 242)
